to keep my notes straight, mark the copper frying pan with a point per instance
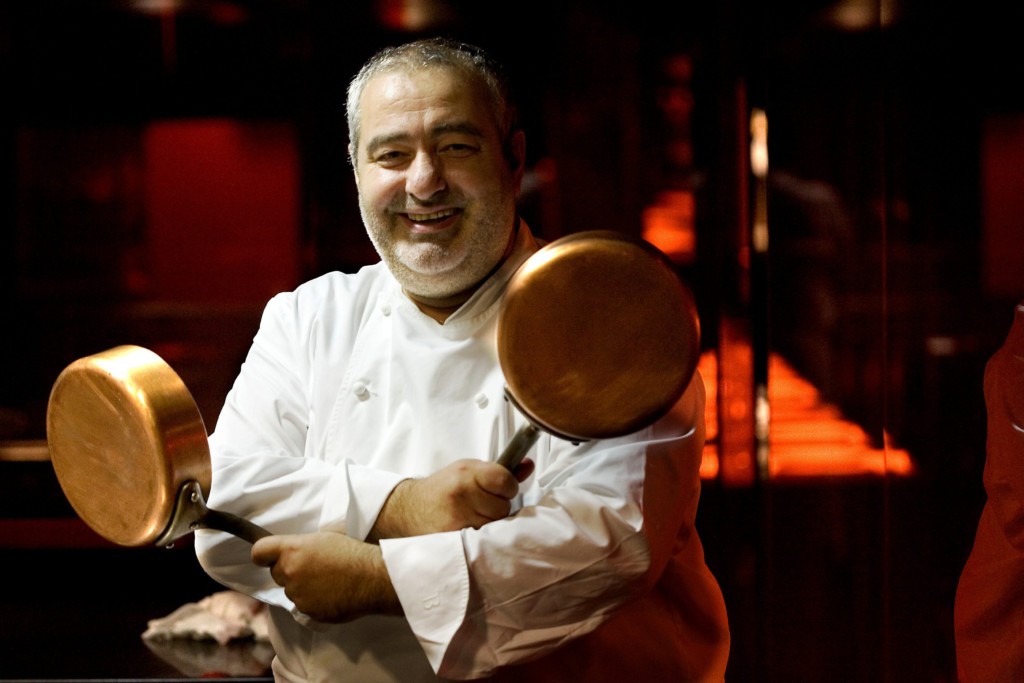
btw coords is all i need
(598, 337)
(130, 450)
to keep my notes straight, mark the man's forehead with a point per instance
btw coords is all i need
(431, 101)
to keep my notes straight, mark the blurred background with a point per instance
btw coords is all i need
(840, 183)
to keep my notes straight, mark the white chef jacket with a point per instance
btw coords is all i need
(348, 389)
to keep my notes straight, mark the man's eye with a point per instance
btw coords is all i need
(389, 158)
(459, 150)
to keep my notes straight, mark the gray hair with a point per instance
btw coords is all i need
(446, 54)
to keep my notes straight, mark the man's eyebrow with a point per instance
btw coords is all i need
(381, 140)
(457, 127)
(465, 127)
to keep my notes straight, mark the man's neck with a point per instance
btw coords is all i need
(440, 309)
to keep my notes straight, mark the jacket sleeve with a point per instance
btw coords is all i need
(597, 527)
(259, 448)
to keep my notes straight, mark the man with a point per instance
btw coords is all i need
(363, 428)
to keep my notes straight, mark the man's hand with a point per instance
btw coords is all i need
(329, 576)
(466, 493)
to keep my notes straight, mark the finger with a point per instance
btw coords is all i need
(266, 551)
(496, 480)
(490, 507)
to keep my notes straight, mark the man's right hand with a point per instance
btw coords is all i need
(466, 493)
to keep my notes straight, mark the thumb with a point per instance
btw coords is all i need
(266, 551)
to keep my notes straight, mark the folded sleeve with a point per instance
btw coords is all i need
(587, 540)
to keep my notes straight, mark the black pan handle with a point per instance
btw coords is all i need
(233, 524)
(191, 513)
(519, 446)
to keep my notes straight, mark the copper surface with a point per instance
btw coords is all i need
(597, 336)
(125, 435)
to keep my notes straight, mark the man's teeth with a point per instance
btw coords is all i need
(421, 217)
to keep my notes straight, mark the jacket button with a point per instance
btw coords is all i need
(361, 391)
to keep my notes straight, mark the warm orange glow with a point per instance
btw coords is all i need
(709, 462)
(735, 400)
(669, 224)
(412, 15)
(808, 436)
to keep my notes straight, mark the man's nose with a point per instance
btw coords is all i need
(425, 177)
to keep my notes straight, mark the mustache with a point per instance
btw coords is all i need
(408, 203)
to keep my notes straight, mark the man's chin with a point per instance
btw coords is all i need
(431, 265)
(439, 285)
(426, 281)
(437, 275)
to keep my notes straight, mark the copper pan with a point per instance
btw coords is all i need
(598, 337)
(130, 450)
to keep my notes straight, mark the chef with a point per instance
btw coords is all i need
(366, 420)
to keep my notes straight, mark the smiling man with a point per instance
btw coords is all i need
(436, 190)
(364, 427)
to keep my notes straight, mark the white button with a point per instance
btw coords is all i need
(361, 391)
(385, 309)
(481, 400)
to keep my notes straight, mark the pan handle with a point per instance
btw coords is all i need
(519, 446)
(191, 513)
(233, 524)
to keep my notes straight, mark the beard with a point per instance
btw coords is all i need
(440, 265)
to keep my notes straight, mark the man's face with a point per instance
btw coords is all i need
(436, 192)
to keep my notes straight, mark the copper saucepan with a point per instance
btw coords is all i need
(598, 337)
(130, 450)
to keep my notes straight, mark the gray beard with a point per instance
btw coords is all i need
(433, 274)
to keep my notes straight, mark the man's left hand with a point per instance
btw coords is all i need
(329, 576)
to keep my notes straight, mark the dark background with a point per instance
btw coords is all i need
(894, 264)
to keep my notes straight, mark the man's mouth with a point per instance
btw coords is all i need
(433, 223)
(432, 217)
